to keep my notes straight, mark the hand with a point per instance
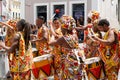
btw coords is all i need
(2, 44)
(50, 22)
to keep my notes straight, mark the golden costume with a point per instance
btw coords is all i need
(42, 47)
(21, 61)
(109, 55)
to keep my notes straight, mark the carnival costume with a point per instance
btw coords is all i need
(21, 62)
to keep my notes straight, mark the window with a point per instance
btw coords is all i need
(42, 11)
(78, 12)
(16, 15)
(19, 15)
(61, 8)
(13, 15)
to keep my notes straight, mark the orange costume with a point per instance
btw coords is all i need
(68, 58)
(42, 47)
(21, 61)
(109, 55)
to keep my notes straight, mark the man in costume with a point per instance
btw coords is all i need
(108, 49)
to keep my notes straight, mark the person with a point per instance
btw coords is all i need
(42, 37)
(20, 62)
(33, 34)
(80, 23)
(67, 42)
(55, 30)
(92, 46)
(108, 49)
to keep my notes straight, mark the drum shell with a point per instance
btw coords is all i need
(95, 69)
(43, 66)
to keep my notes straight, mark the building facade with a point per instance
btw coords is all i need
(76, 8)
(3, 10)
(15, 9)
(11, 9)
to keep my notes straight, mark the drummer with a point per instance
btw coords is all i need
(55, 30)
(92, 46)
(11, 29)
(42, 37)
(20, 65)
(108, 49)
(67, 42)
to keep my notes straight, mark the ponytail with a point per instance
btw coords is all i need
(27, 34)
(25, 27)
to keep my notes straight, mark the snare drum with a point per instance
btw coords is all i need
(94, 68)
(43, 67)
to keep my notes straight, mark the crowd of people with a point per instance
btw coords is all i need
(98, 59)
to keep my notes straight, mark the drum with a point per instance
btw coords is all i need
(42, 67)
(34, 52)
(94, 68)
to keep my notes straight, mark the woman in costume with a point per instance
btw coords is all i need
(20, 65)
(55, 30)
(91, 49)
(67, 42)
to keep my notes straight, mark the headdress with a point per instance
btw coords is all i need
(12, 23)
(68, 22)
(94, 15)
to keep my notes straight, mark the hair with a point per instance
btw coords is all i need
(25, 26)
(89, 20)
(42, 18)
(103, 22)
(56, 18)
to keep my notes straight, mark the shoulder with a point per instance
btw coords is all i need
(17, 36)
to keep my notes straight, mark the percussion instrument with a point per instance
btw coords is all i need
(42, 67)
(94, 68)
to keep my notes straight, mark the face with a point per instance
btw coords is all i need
(56, 23)
(101, 28)
(39, 22)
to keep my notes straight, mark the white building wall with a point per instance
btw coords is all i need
(94, 4)
(108, 10)
(22, 9)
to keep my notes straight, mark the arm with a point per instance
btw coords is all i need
(111, 38)
(6, 25)
(13, 46)
(44, 36)
(40, 40)
(61, 41)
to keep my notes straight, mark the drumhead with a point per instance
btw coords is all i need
(92, 60)
(43, 57)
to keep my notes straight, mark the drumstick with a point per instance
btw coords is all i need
(56, 12)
